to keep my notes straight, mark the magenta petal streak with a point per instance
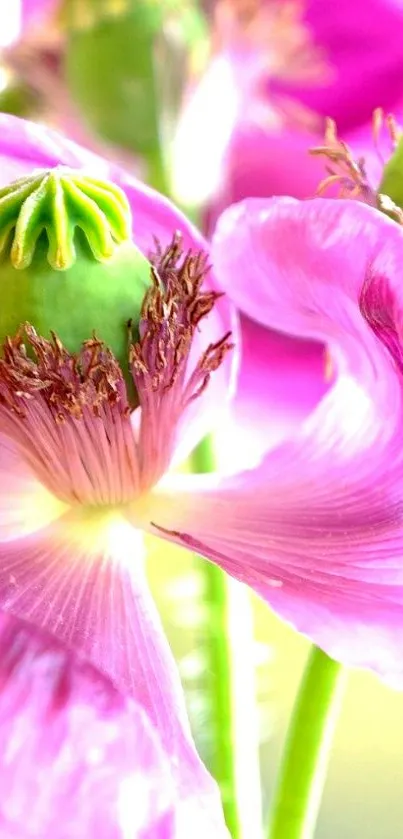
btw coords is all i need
(317, 528)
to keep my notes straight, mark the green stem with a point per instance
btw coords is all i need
(307, 750)
(231, 690)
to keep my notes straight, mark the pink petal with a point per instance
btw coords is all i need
(36, 12)
(155, 215)
(76, 757)
(83, 581)
(323, 554)
(212, 110)
(281, 379)
(265, 161)
(25, 505)
(317, 528)
(25, 146)
(334, 244)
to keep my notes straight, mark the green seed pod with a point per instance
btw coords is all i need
(126, 66)
(67, 262)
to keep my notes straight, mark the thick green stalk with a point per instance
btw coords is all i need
(228, 651)
(307, 750)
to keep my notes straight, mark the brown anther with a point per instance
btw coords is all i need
(172, 310)
(69, 383)
(344, 171)
(350, 174)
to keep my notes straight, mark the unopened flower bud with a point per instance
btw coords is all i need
(126, 66)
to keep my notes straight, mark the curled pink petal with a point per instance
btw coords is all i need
(83, 580)
(26, 145)
(334, 245)
(76, 757)
(317, 528)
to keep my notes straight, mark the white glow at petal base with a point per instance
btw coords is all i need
(203, 133)
(10, 21)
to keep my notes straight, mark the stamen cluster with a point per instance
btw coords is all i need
(71, 414)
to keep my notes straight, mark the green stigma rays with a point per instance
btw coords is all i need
(58, 202)
(68, 264)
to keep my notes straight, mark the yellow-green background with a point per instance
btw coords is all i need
(364, 791)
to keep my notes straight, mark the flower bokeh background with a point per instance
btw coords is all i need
(250, 113)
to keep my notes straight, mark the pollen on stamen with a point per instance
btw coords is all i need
(70, 414)
(349, 173)
(343, 169)
(172, 310)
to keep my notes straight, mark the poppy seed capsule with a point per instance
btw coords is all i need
(67, 262)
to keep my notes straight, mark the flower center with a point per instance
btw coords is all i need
(69, 413)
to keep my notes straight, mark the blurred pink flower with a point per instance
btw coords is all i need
(307, 62)
(316, 529)
(233, 140)
(69, 559)
(76, 757)
(362, 44)
(279, 68)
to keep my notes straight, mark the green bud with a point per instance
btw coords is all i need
(19, 99)
(392, 177)
(126, 66)
(67, 262)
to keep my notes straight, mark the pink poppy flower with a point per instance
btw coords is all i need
(69, 559)
(316, 528)
(76, 757)
(229, 123)
(310, 66)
